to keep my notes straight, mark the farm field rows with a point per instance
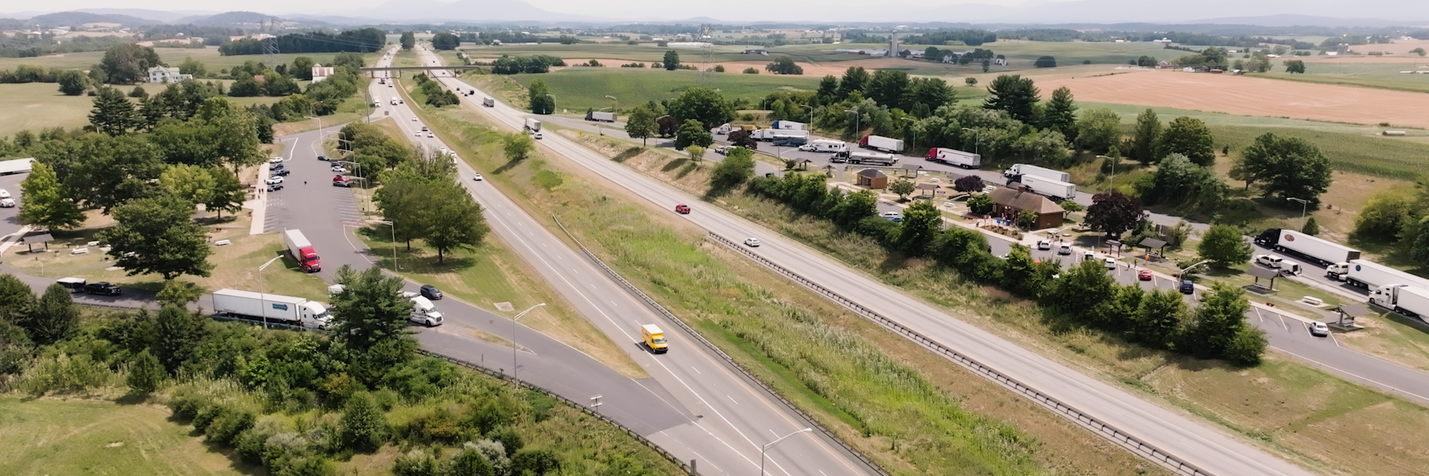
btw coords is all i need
(36, 106)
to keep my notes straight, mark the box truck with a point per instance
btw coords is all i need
(790, 125)
(824, 145)
(967, 160)
(861, 157)
(394, 101)
(1022, 170)
(488, 102)
(302, 251)
(598, 116)
(533, 125)
(654, 338)
(424, 312)
(1049, 188)
(1364, 274)
(881, 143)
(293, 311)
(1315, 250)
(1404, 299)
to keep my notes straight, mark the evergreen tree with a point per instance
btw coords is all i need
(1013, 94)
(177, 336)
(364, 427)
(1148, 135)
(1061, 113)
(828, 90)
(53, 316)
(855, 79)
(145, 373)
(113, 114)
(672, 60)
(1311, 228)
(16, 298)
(370, 309)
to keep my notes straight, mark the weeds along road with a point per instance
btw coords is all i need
(724, 419)
(1209, 449)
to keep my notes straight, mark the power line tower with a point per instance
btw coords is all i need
(707, 63)
(270, 44)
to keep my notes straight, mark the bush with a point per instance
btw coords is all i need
(415, 463)
(536, 461)
(751, 71)
(1045, 62)
(364, 427)
(719, 68)
(145, 373)
(980, 204)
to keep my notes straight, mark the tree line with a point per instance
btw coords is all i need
(365, 40)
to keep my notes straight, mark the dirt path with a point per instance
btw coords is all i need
(1252, 97)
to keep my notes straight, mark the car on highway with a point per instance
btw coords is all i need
(323, 158)
(1144, 275)
(536, 136)
(682, 209)
(1044, 245)
(751, 242)
(101, 288)
(273, 180)
(1065, 250)
(7, 203)
(477, 177)
(282, 172)
(430, 135)
(414, 118)
(424, 129)
(1187, 287)
(431, 292)
(1319, 329)
(418, 134)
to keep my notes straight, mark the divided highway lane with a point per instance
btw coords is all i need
(1190, 440)
(729, 418)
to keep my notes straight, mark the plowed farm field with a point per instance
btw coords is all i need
(1251, 97)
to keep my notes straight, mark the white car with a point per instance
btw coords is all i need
(414, 118)
(1044, 245)
(1319, 329)
(430, 135)
(751, 242)
(273, 180)
(7, 203)
(536, 136)
(4, 193)
(339, 169)
(275, 160)
(419, 134)
(1110, 263)
(477, 178)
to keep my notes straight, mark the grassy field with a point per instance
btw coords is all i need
(42, 436)
(35, 106)
(235, 267)
(173, 56)
(1370, 75)
(907, 408)
(577, 89)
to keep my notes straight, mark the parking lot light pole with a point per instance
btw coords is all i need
(1303, 204)
(811, 112)
(262, 300)
(513, 338)
(393, 225)
(775, 442)
(976, 133)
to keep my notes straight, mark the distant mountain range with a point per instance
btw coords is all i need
(1281, 13)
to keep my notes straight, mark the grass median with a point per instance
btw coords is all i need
(906, 408)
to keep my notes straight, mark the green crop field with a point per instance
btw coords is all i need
(172, 56)
(1371, 75)
(577, 89)
(35, 106)
(1350, 147)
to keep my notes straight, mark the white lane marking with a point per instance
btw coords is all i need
(1358, 376)
(736, 403)
(696, 370)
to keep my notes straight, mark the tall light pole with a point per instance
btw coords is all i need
(856, 116)
(513, 337)
(262, 300)
(811, 112)
(393, 225)
(775, 442)
(976, 133)
(615, 104)
(915, 133)
(1303, 204)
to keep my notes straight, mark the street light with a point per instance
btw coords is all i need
(976, 133)
(913, 145)
(775, 442)
(262, 305)
(811, 112)
(394, 240)
(513, 338)
(856, 116)
(615, 103)
(1303, 204)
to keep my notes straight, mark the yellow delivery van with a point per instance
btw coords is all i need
(654, 338)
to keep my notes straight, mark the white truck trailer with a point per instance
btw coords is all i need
(825, 145)
(967, 160)
(1315, 250)
(881, 143)
(289, 310)
(599, 116)
(790, 126)
(1406, 300)
(861, 157)
(533, 125)
(1023, 170)
(1366, 274)
(1053, 189)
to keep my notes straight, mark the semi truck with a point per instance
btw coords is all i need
(424, 312)
(1324, 253)
(488, 102)
(1365, 274)
(1022, 170)
(599, 116)
(1402, 298)
(289, 310)
(861, 157)
(1053, 189)
(790, 126)
(533, 125)
(302, 251)
(825, 145)
(881, 143)
(956, 157)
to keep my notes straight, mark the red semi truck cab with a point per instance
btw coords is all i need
(302, 251)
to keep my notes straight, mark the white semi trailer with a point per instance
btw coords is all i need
(967, 160)
(1365, 274)
(1023, 170)
(273, 308)
(1049, 188)
(1315, 250)
(1407, 300)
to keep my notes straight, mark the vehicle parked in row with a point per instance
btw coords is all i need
(1020, 170)
(7, 202)
(1187, 287)
(1317, 250)
(275, 160)
(273, 180)
(956, 157)
(1044, 245)
(289, 310)
(340, 181)
(1365, 274)
(1144, 275)
(1319, 329)
(885, 144)
(302, 251)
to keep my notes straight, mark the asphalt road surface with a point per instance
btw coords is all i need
(724, 419)
(9, 224)
(1205, 447)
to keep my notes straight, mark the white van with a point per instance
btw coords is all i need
(74, 285)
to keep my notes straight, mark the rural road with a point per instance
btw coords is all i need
(1207, 448)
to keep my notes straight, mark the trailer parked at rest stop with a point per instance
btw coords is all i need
(1365, 274)
(1408, 301)
(1315, 250)
(956, 157)
(272, 308)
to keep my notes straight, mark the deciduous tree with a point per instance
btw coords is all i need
(1224, 245)
(705, 105)
(980, 204)
(46, 203)
(692, 133)
(408, 40)
(158, 235)
(128, 63)
(736, 168)
(453, 220)
(52, 317)
(920, 227)
(177, 335)
(145, 373)
(189, 183)
(672, 60)
(1190, 137)
(1098, 130)
(1113, 212)
(968, 183)
(902, 187)
(1289, 167)
(1385, 214)
(641, 124)
(1160, 319)
(364, 426)
(1294, 66)
(72, 82)
(517, 146)
(228, 192)
(539, 98)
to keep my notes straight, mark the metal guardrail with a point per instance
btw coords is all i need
(1107, 431)
(747, 374)
(529, 386)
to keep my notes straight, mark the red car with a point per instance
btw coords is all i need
(1144, 275)
(682, 209)
(340, 181)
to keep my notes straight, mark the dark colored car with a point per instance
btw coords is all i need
(682, 209)
(1187, 287)
(277, 166)
(282, 172)
(101, 288)
(273, 187)
(323, 158)
(431, 292)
